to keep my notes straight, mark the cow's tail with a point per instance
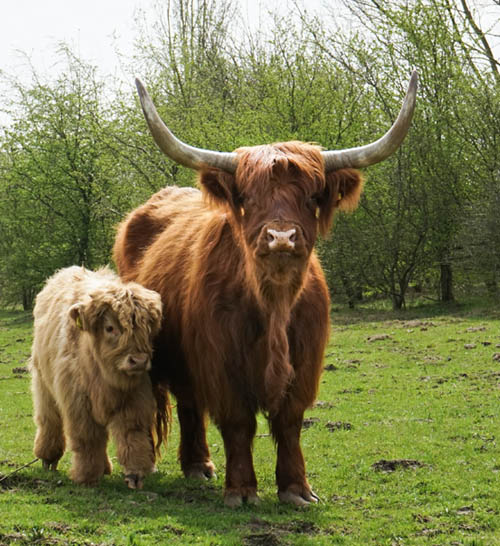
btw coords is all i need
(163, 419)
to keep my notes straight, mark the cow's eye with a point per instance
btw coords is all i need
(313, 202)
(109, 329)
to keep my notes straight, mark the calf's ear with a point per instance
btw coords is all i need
(86, 313)
(77, 315)
(342, 192)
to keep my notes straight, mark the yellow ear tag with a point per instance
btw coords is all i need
(78, 322)
(317, 212)
(242, 211)
(340, 197)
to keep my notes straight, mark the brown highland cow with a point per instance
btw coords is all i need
(246, 308)
(90, 360)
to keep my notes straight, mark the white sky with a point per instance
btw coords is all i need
(94, 29)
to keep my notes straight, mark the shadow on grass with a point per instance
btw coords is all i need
(15, 317)
(376, 312)
(172, 506)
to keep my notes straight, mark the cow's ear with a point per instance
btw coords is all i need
(154, 306)
(219, 187)
(342, 191)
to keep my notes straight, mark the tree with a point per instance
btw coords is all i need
(58, 182)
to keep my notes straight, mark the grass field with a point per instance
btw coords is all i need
(402, 447)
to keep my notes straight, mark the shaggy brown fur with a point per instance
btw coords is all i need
(90, 361)
(246, 317)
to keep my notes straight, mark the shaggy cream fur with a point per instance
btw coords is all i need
(90, 360)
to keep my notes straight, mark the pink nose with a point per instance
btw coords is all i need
(138, 359)
(281, 240)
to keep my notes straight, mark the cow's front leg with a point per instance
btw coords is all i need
(194, 454)
(290, 467)
(241, 484)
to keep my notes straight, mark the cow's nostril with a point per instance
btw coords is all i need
(293, 237)
(138, 360)
(270, 236)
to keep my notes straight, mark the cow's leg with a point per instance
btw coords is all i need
(238, 432)
(131, 430)
(194, 454)
(49, 439)
(290, 467)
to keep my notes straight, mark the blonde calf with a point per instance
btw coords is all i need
(90, 360)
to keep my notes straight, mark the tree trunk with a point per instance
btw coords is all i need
(446, 283)
(398, 301)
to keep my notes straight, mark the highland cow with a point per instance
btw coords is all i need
(90, 360)
(246, 306)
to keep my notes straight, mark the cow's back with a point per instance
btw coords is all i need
(144, 225)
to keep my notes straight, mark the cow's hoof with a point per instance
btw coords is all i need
(252, 499)
(201, 471)
(235, 500)
(304, 498)
(134, 481)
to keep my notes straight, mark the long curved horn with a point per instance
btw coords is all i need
(381, 149)
(169, 144)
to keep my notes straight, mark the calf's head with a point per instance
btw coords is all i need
(120, 322)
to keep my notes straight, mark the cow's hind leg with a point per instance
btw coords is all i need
(194, 454)
(49, 439)
(238, 432)
(290, 467)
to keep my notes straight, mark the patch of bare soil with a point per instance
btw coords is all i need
(332, 426)
(309, 422)
(476, 329)
(321, 404)
(19, 481)
(377, 337)
(265, 533)
(422, 324)
(268, 538)
(32, 538)
(385, 465)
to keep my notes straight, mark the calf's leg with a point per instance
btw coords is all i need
(131, 430)
(49, 439)
(88, 441)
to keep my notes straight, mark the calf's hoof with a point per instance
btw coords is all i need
(134, 481)
(298, 496)
(50, 465)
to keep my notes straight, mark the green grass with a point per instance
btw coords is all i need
(416, 401)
